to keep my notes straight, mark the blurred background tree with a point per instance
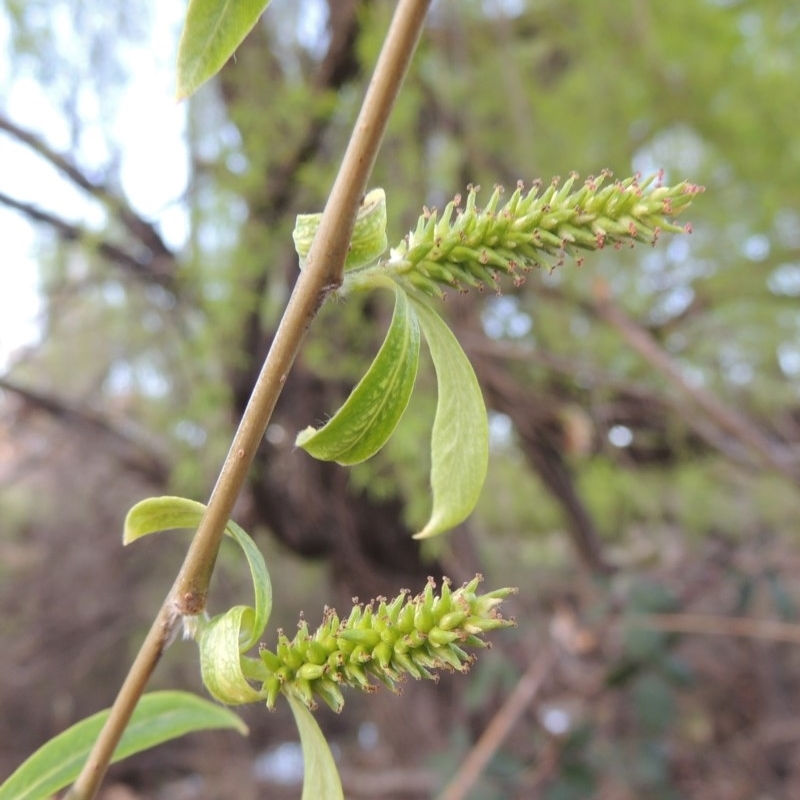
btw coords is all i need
(644, 408)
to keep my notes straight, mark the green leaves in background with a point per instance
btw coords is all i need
(321, 777)
(460, 440)
(213, 30)
(159, 717)
(363, 425)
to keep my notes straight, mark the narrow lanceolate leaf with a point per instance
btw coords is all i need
(460, 440)
(213, 30)
(159, 717)
(362, 426)
(157, 514)
(321, 777)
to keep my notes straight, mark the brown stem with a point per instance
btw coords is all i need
(322, 273)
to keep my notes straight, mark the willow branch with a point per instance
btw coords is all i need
(661, 401)
(322, 273)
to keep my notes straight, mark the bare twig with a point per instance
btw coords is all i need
(704, 429)
(69, 232)
(388, 782)
(144, 232)
(730, 420)
(135, 453)
(322, 273)
(498, 729)
(714, 625)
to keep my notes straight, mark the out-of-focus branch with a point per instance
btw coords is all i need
(70, 232)
(388, 782)
(653, 400)
(131, 450)
(492, 738)
(144, 232)
(715, 625)
(733, 422)
(506, 394)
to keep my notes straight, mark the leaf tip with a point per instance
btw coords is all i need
(303, 437)
(129, 530)
(432, 528)
(240, 726)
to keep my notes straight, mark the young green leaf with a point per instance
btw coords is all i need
(164, 513)
(362, 426)
(321, 777)
(156, 514)
(213, 30)
(460, 439)
(159, 717)
(221, 657)
(368, 241)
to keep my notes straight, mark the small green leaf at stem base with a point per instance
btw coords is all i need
(369, 416)
(213, 30)
(368, 240)
(157, 514)
(221, 657)
(159, 717)
(460, 438)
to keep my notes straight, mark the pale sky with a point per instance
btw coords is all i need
(149, 126)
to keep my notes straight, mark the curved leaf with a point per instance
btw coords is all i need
(159, 717)
(164, 513)
(213, 30)
(156, 514)
(368, 240)
(460, 439)
(362, 426)
(321, 778)
(221, 660)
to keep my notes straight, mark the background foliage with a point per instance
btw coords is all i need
(643, 407)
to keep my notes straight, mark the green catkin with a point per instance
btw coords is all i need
(387, 642)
